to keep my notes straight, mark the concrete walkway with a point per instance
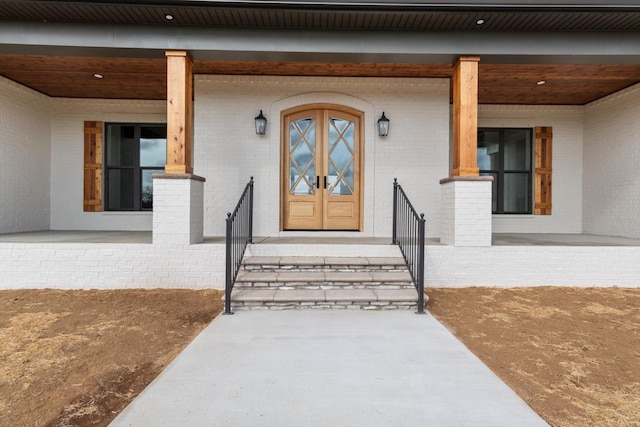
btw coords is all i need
(327, 368)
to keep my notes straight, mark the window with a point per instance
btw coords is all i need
(506, 154)
(133, 153)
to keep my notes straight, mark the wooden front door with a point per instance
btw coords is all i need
(322, 173)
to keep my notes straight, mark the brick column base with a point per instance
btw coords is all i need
(466, 211)
(178, 209)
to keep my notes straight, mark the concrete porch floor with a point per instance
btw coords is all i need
(145, 237)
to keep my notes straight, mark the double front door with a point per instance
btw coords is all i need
(321, 176)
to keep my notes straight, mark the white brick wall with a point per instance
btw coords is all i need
(227, 151)
(117, 266)
(25, 149)
(177, 207)
(567, 123)
(583, 266)
(67, 157)
(611, 187)
(466, 213)
(111, 266)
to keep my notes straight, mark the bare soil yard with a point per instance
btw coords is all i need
(76, 358)
(572, 354)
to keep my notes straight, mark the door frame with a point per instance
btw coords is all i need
(283, 184)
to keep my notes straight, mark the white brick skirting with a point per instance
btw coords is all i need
(120, 266)
(582, 266)
(110, 266)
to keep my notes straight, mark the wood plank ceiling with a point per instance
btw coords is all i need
(127, 78)
(137, 78)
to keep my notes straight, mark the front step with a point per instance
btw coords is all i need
(370, 283)
(309, 264)
(283, 299)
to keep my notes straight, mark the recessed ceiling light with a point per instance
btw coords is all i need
(541, 82)
(168, 17)
(98, 76)
(480, 22)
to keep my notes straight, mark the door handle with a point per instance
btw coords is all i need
(317, 181)
(325, 182)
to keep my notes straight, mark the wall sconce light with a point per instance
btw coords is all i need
(383, 125)
(261, 124)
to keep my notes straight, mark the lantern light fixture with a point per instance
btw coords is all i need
(261, 124)
(383, 125)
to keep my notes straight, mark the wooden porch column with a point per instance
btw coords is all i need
(179, 112)
(465, 117)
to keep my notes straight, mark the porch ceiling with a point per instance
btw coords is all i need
(145, 78)
(582, 49)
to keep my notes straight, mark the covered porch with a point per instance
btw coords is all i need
(439, 76)
(68, 86)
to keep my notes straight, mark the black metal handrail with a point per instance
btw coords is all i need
(239, 235)
(408, 234)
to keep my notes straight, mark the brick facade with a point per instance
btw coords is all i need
(594, 164)
(611, 165)
(227, 150)
(25, 159)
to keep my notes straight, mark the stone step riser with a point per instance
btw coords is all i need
(376, 305)
(286, 283)
(322, 285)
(322, 268)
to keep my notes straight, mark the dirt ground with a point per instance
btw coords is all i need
(76, 358)
(572, 354)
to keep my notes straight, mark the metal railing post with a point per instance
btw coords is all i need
(394, 235)
(421, 265)
(228, 274)
(250, 240)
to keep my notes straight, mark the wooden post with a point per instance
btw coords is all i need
(179, 113)
(465, 117)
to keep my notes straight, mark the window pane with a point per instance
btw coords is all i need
(146, 195)
(488, 150)
(153, 146)
(516, 193)
(302, 160)
(341, 153)
(494, 190)
(517, 149)
(120, 145)
(120, 189)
